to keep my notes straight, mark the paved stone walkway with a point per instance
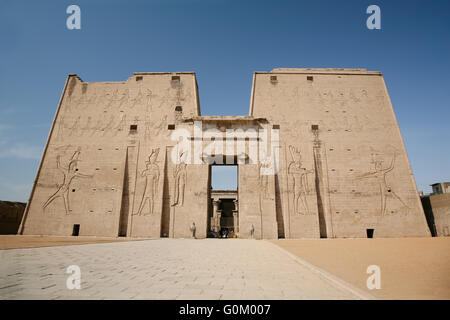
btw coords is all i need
(164, 269)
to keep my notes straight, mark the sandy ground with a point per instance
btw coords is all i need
(411, 268)
(164, 269)
(18, 241)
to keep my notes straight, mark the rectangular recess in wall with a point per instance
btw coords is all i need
(76, 230)
(133, 128)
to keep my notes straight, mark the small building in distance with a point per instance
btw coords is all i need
(441, 187)
(437, 209)
(10, 216)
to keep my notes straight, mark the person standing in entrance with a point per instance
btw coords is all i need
(193, 229)
(252, 231)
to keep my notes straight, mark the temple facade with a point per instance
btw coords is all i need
(320, 155)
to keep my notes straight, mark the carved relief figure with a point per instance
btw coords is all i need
(69, 174)
(138, 100)
(179, 94)
(180, 181)
(159, 126)
(74, 127)
(121, 125)
(108, 125)
(149, 95)
(353, 96)
(164, 99)
(96, 127)
(105, 99)
(147, 128)
(380, 173)
(299, 178)
(124, 98)
(59, 133)
(151, 174)
(112, 100)
(87, 127)
(364, 94)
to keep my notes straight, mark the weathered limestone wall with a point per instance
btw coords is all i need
(340, 138)
(111, 167)
(256, 204)
(98, 170)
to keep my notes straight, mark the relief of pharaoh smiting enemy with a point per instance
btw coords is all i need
(298, 181)
(151, 174)
(70, 172)
(380, 173)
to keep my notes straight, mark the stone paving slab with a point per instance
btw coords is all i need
(164, 269)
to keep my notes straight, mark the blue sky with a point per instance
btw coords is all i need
(224, 42)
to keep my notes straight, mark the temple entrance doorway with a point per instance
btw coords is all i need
(223, 215)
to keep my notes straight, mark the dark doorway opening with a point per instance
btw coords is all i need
(370, 233)
(223, 208)
(76, 230)
(226, 219)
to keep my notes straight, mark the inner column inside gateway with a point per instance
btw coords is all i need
(223, 212)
